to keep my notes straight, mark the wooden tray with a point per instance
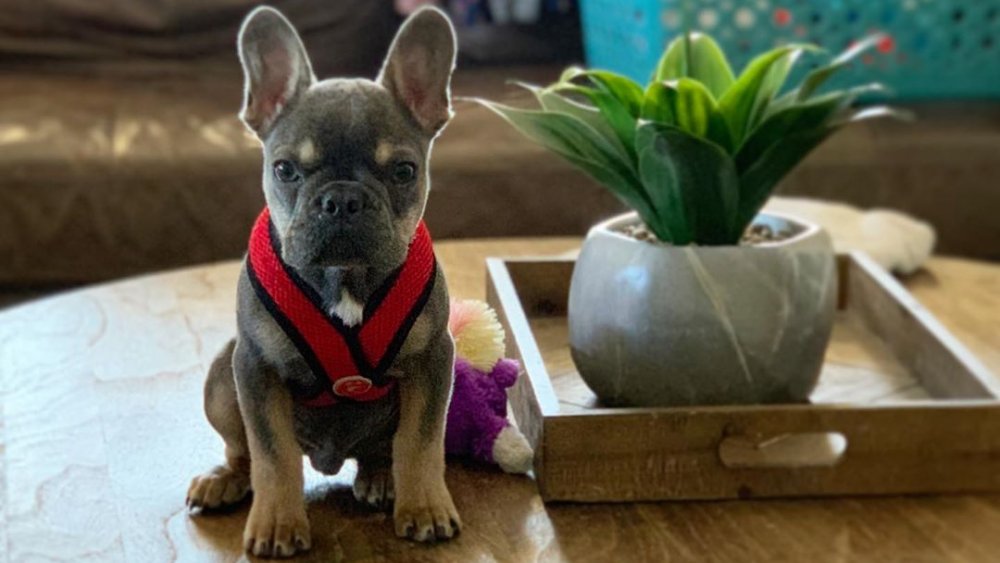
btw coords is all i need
(901, 407)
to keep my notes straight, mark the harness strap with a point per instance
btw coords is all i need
(348, 362)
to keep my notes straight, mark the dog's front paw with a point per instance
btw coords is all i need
(277, 528)
(373, 485)
(221, 486)
(426, 514)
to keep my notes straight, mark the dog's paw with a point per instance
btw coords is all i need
(277, 528)
(221, 486)
(426, 515)
(374, 486)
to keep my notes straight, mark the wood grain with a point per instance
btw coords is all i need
(533, 393)
(674, 453)
(937, 359)
(101, 428)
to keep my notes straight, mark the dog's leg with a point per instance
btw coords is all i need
(373, 484)
(424, 510)
(277, 525)
(228, 483)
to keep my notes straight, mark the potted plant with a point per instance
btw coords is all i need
(696, 297)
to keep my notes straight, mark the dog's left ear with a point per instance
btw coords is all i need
(417, 71)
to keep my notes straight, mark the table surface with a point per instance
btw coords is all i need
(101, 429)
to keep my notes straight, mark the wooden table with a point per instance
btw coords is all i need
(101, 429)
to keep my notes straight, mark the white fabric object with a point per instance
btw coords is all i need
(512, 452)
(896, 241)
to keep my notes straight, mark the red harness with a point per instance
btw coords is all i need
(349, 362)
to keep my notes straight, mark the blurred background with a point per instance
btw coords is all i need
(121, 152)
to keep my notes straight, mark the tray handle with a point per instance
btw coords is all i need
(789, 450)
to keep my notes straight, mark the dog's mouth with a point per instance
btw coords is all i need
(339, 253)
(337, 249)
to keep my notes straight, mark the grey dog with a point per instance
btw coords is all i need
(346, 181)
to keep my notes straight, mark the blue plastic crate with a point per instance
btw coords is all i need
(934, 48)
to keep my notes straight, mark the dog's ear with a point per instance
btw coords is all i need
(275, 67)
(417, 70)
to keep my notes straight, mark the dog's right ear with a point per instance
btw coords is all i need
(275, 66)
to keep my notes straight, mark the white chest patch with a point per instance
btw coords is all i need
(348, 309)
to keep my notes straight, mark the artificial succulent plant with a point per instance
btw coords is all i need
(699, 150)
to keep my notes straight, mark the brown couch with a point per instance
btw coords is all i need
(120, 151)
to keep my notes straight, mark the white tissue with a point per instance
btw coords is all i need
(897, 241)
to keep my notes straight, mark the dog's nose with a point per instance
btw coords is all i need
(341, 203)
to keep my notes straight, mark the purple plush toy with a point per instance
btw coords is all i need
(477, 417)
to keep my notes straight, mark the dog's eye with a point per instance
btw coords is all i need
(404, 172)
(285, 171)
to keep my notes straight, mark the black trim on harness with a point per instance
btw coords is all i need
(322, 381)
(404, 329)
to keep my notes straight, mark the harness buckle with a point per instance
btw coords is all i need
(352, 386)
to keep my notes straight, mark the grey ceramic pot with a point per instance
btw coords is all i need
(659, 325)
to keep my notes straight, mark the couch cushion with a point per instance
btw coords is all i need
(344, 36)
(101, 179)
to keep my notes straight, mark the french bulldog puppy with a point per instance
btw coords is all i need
(346, 180)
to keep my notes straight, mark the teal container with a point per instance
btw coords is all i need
(933, 48)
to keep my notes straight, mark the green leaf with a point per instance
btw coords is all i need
(627, 190)
(551, 100)
(692, 182)
(762, 176)
(697, 56)
(876, 112)
(657, 105)
(790, 99)
(745, 103)
(618, 117)
(808, 116)
(581, 145)
(618, 98)
(815, 79)
(673, 64)
(688, 105)
(774, 79)
(625, 90)
(569, 73)
(788, 138)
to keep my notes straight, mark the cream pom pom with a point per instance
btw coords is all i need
(479, 337)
